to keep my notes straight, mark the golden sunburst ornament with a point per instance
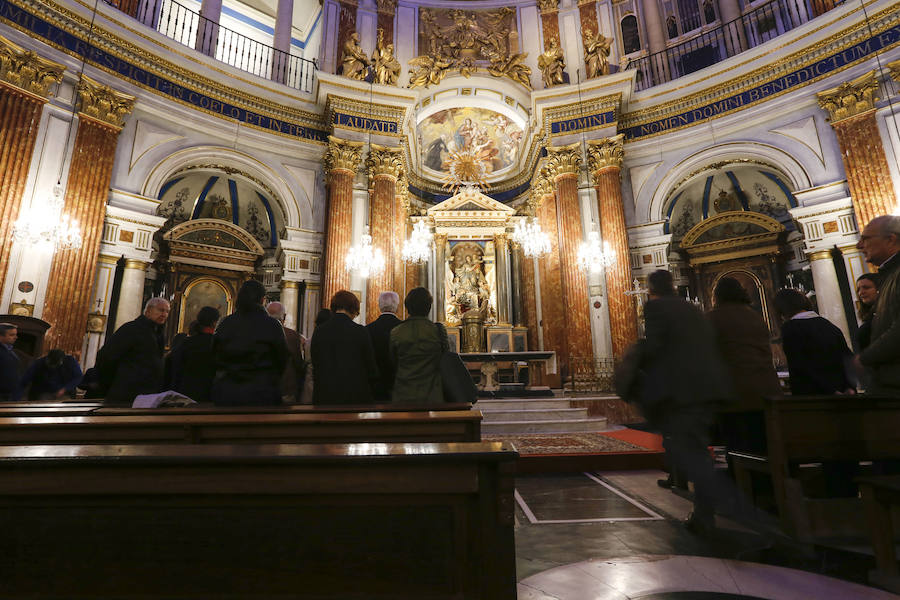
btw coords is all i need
(465, 167)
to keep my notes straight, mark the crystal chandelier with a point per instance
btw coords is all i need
(534, 242)
(417, 249)
(47, 226)
(365, 259)
(593, 257)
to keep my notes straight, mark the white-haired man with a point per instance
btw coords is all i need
(294, 370)
(380, 332)
(880, 243)
(130, 363)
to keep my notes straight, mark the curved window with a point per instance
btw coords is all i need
(631, 41)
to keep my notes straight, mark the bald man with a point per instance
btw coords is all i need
(292, 380)
(880, 243)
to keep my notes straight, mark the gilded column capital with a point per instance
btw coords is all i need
(605, 153)
(388, 7)
(137, 265)
(102, 103)
(401, 190)
(820, 255)
(384, 161)
(563, 160)
(342, 155)
(540, 189)
(894, 68)
(440, 239)
(501, 240)
(851, 98)
(26, 70)
(289, 285)
(548, 6)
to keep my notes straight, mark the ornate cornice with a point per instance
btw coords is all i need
(342, 155)
(384, 161)
(540, 189)
(102, 103)
(26, 70)
(851, 98)
(563, 160)
(387, 7)
(548, 6)
(608, 152)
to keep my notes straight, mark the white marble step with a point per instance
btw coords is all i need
(535, 414)
(555, 426)
(521, 403)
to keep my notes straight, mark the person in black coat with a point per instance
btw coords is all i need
(192, 362)
(342, 356)
(380, 332)
(10, 366)
(130, 363)
(816, 351)
(249, 352)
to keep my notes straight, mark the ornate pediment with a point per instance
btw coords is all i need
(215, 243)
(470, 209)
(732, 234)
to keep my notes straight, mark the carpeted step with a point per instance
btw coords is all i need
(534, 414)
(549, 426)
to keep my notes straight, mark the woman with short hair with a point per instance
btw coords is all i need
(192, 362)
(416, 347)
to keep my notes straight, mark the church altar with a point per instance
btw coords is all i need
(539, 362)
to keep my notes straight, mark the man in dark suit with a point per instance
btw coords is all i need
(684, 381)
(342, 356)
(292, 381)
(380, 332)
(10, 366)
(131, 361)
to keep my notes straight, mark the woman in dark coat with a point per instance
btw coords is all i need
(192, 362)
(342, 356)
(742, 337)
(250, 353)
(416, 347)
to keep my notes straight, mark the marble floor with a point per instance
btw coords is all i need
(617, 536)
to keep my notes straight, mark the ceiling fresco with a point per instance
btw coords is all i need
(492, 137)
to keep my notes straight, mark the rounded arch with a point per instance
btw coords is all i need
(763, 154)
(225, 159)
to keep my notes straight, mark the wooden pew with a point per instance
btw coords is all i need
(880, 494)
(431, 426)
(356, 521)
(812, 429)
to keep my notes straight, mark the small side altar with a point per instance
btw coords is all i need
(539, 363)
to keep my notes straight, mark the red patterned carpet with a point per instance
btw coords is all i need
(623, 441)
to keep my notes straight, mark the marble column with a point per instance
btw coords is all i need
(131, 293)
(384, 166)
(656, 36)
(735, 36)
(606, 163)
(101, 115)
(386, 10)
(281, 41)
(342, 159)
(828, 292)
(25, 82)
(129, 7)
(346, 26)
(208, 28)
(851, 108)
(290, 298)
(501, 251)
(440, 271)
(516, 260)
(553, 321)
(588, 14)
(563, 164)
(549, 21)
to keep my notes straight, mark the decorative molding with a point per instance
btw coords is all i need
(548, 6)
(384, 161)
(850, 98)
(563, 160)
(102, 103)
(26, 70)
(343, 155)
(769, 224)
(820, 255)
(605, 153)
(138, 265)
(387, 7)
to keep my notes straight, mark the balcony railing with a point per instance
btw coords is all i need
(751, 29)
(187, 27)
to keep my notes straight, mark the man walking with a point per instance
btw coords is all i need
(380, 332)
(131, 361)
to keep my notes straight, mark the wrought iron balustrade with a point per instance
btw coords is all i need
(589, 374)
(710, 47)
(190, 28)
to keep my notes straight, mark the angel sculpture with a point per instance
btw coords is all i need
(552, 62)
(511, 66)
(428, 70)
(354, 60)
(387, 67)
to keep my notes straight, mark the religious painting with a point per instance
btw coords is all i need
(491, 136)
(200, 293)
(469, 284)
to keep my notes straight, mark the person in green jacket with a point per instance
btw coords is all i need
(416, 347)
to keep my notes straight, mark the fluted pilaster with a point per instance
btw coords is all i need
(101, 114)
(25, 81)
(851, 108)
(605, 157)
(384, 166)
(342, 159)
